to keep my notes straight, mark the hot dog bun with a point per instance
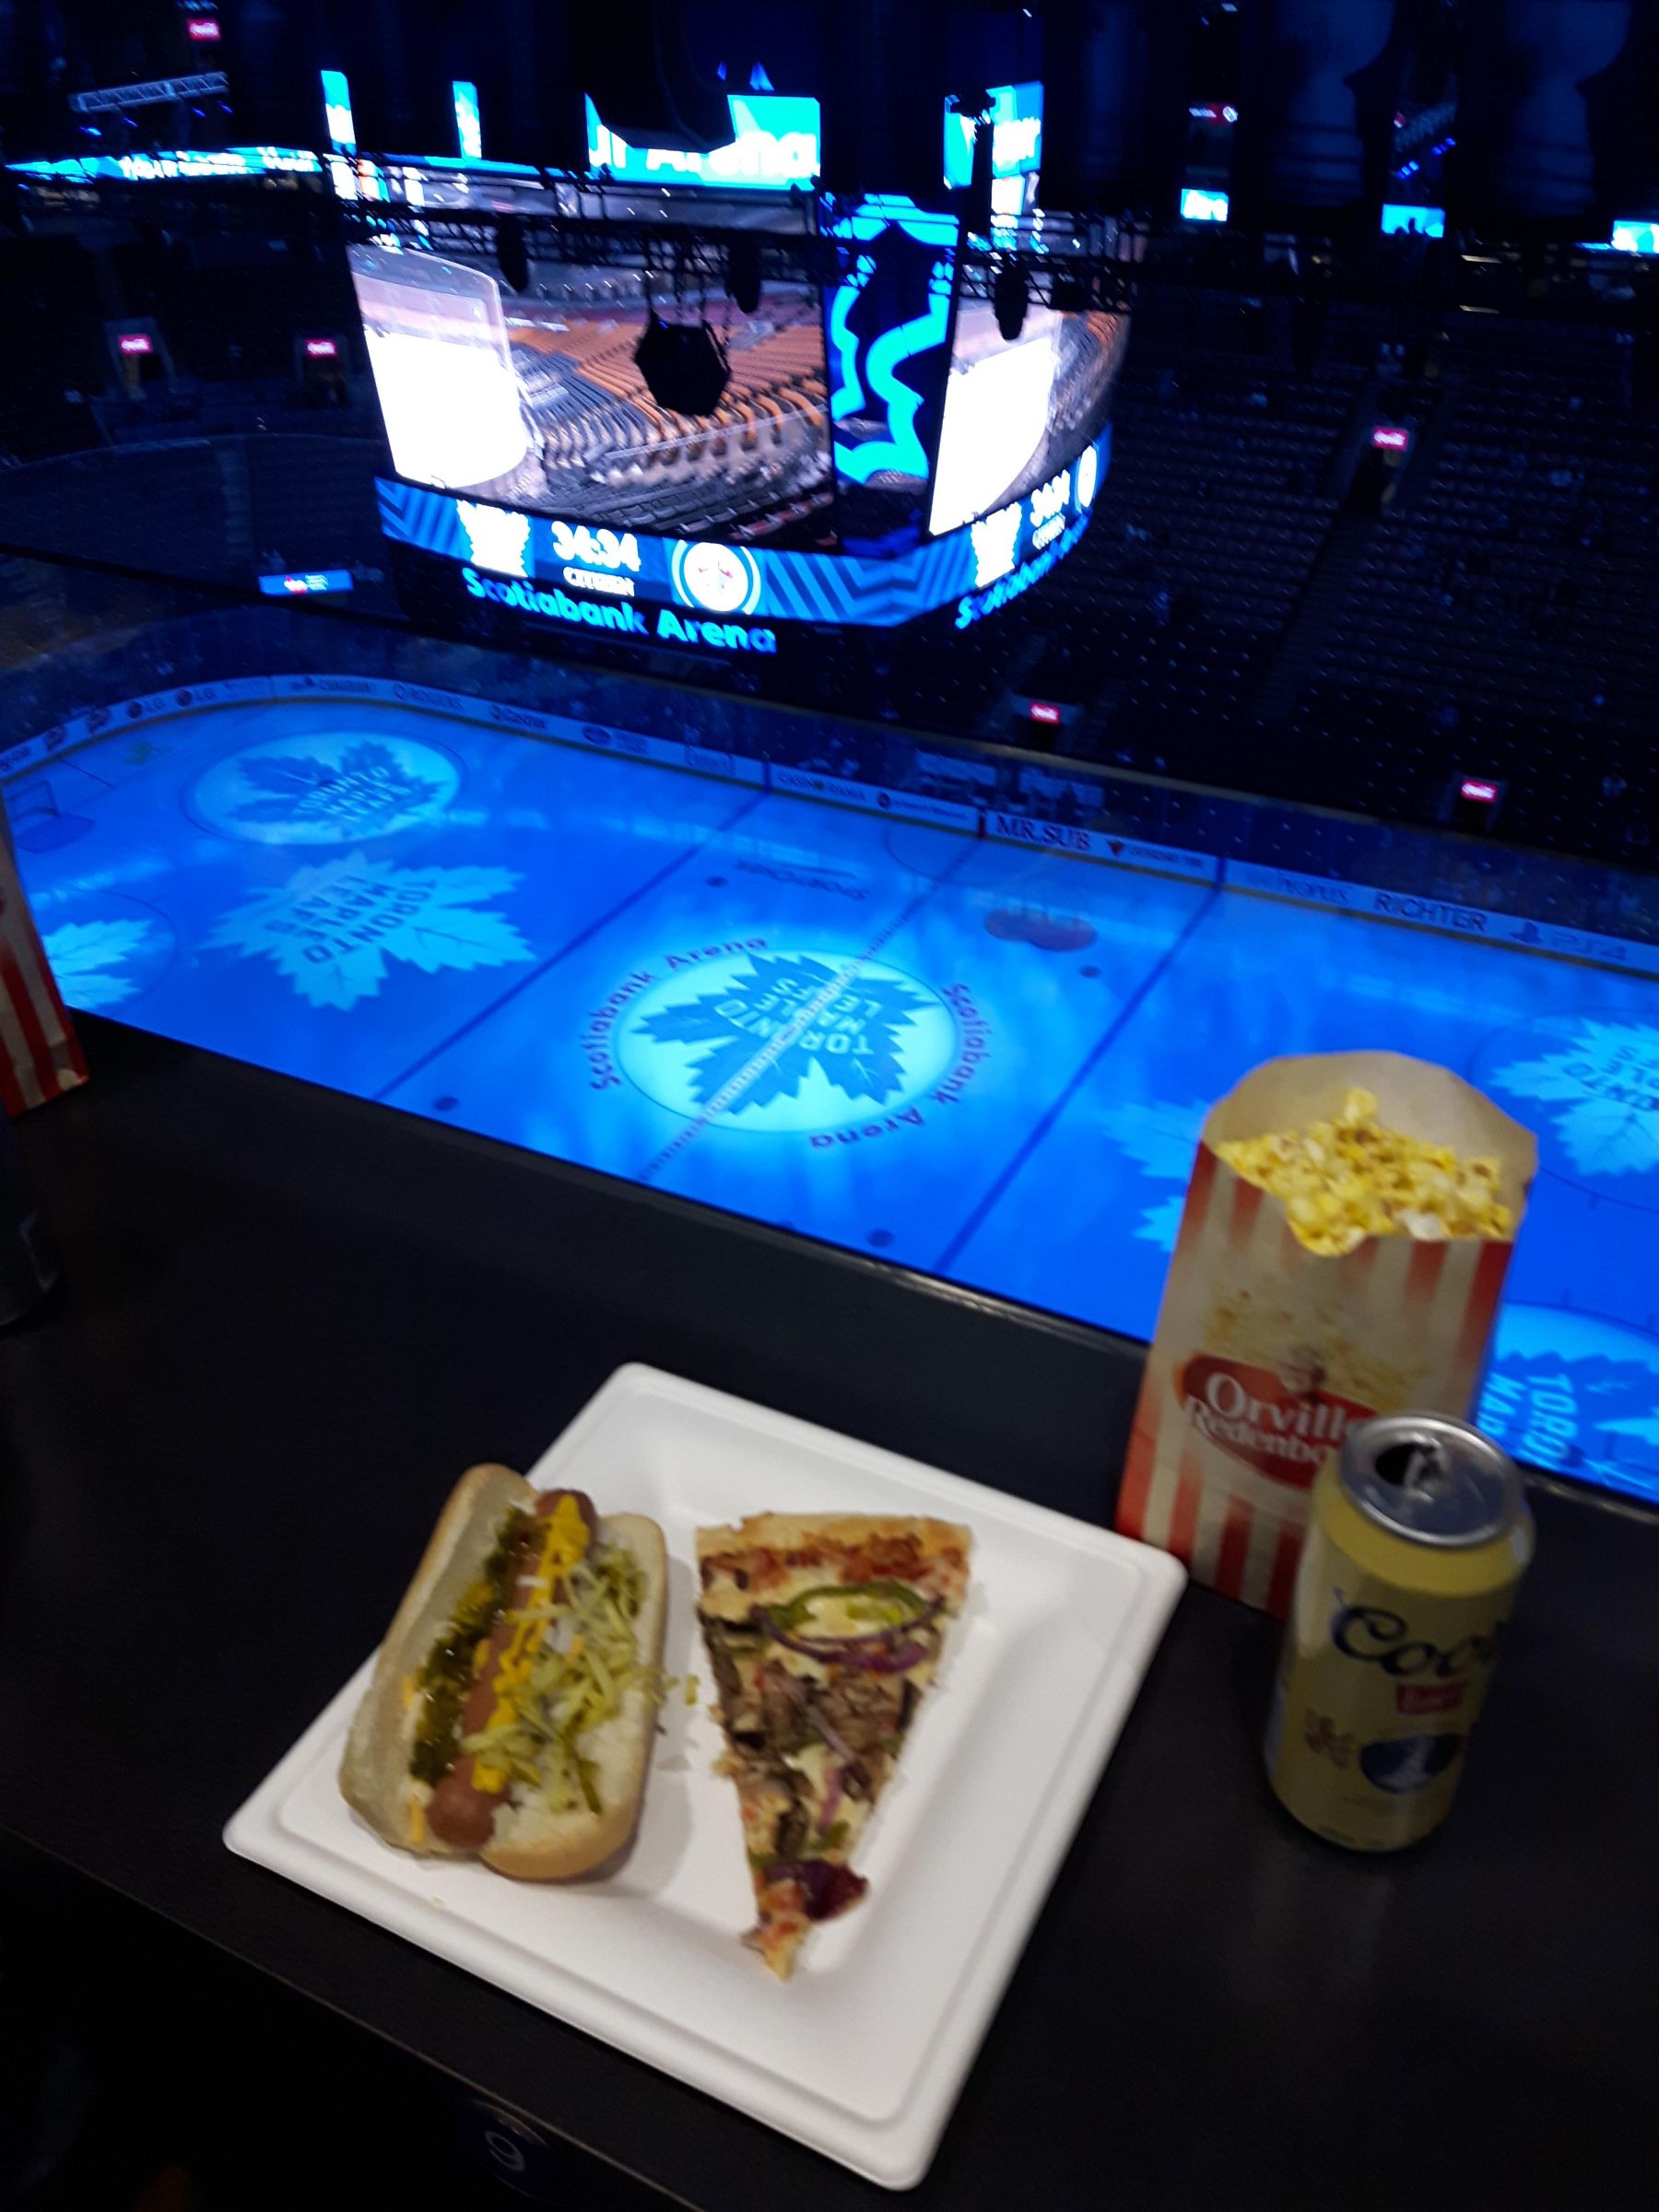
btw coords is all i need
(530, 1840)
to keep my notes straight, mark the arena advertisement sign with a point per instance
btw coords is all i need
(875, 799)
(1445, 914)
(1100, 844)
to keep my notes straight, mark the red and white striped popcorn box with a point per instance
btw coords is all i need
(38, 1056)
(1266, 1353)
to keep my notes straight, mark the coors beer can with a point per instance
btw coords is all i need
(1417, 1538)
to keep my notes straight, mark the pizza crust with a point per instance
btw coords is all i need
(793, 1531)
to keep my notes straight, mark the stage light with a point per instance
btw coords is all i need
(684, 365)
(1010, 296)
(743, 272)
(513, 255)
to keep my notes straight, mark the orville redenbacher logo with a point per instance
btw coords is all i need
(1283, 1425)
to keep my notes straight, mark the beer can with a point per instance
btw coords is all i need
(1418, 1537)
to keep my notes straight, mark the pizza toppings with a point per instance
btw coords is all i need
(826, 1889)
(832, 1622)
(822, 1637)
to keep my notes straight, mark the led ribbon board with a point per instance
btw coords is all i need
(729, 598)
(185, 162)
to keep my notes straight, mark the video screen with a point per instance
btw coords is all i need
(1016, 115)
(1016, 410)
(534, 398)
(888, 320)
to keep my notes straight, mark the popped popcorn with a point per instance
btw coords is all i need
(1271, 1347)
(1350, 1179)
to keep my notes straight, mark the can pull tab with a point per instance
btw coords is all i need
(1416, 1468)
(1432, 1479)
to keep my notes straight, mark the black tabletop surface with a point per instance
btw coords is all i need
(289, 1320)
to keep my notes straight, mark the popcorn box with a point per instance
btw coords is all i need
(38, 1056)
(1267, 1353)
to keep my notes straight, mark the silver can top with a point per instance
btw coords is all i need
(1432, 1479)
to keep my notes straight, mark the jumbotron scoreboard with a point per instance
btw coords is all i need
(885, 434)
(731, 598)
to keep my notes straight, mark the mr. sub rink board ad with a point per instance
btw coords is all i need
(1341, 1252)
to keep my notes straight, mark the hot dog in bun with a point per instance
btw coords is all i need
(513, 1700)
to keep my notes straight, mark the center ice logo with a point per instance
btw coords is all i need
(325, 791)
(788, 1041)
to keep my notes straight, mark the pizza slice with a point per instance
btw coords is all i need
(823, 1633)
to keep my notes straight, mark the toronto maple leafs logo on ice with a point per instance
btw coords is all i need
(93, 962)
(367, 785)
(326, 790)
(331, 929)
(1604, 1083)
(787, 1039)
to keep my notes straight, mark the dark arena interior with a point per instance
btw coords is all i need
(708, 668)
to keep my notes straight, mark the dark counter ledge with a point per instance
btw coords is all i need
(327, 1310)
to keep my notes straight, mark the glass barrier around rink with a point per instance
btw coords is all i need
(79, 646)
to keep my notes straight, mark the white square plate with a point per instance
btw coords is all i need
(863, 2053)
